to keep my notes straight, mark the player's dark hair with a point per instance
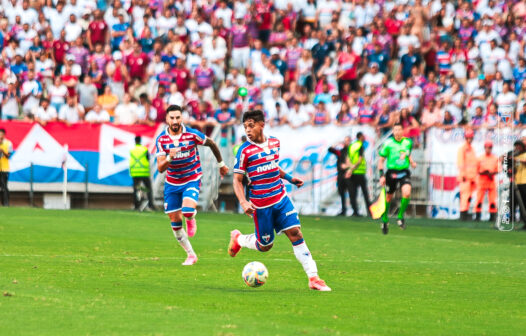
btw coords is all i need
(173, 108)
(256, 115)
(137, 139)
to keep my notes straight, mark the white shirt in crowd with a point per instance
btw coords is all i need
(298, 118)
(126, 114)
(141, 113)
(97, 117)
(506, 103)
(70, 114)
(46, 114)
(176, 98)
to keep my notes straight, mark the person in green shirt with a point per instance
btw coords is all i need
(357, 168)
(397, 152)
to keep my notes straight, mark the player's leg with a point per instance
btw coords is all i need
(404, 203)
(172, 206)
(390, 187)
(262, 239)
(286, 220)
(190, 198)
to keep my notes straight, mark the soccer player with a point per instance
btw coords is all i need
(269, 205)
(177, 155)
(397, 151)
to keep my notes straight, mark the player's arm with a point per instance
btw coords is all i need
(411, 162)
(239, 190)
(381, 165)
(163, 162)
(294, 180)
(223, 169)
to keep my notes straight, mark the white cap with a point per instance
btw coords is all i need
(70, 57)
(239, 16)
(230, 77)
(117, 55)
(274, 51)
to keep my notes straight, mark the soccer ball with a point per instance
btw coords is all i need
(255, 274)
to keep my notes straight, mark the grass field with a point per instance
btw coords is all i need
(120, 273)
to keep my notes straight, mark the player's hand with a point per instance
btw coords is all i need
(413, 164)
(382, 181)
(248, 208)
(348, 174)
(223, 171)
(297, 182)
(174, 151)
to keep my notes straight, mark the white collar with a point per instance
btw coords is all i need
(264, 144)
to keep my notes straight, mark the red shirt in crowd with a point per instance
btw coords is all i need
(60, 49)
(348, 63)
(393, 26)
(98, 31)
(264, 11)
(71, 89)
(137, 65)
(182, 76)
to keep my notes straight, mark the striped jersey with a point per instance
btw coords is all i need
(185, 166)
(259, 162)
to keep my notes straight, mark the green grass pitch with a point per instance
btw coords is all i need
(119, 273)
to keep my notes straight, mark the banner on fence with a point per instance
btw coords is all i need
(98, 153)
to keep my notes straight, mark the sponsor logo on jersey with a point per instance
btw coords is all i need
(267, 167)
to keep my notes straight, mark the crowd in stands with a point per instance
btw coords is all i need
(421, 63)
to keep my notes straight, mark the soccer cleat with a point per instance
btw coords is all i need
(190, 260)
(385, 228)
(234, 247)
(401, 223)
(318, 284)
(191, 227)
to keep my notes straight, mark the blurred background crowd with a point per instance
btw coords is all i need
(304, 62)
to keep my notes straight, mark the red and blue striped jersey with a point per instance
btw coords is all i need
(185, 166)
(260, 163)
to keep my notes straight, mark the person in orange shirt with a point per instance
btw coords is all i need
(467, 173)
(488, 167)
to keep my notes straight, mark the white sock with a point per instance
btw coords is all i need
(182, 238)
(303, 255)
(248, 241)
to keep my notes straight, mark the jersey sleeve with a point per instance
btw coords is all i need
(240, 164)
(199, 137)
(160, 149)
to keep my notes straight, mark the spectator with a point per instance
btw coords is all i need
(108, 100)
(146, 113)
(126, 111)
(45, 112)
(31, 92)
(118, 75)
(88, 93)
(10, 100)
(57, 94)
(72, 112)
(97, 115)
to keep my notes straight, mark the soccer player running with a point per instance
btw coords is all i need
(269, 205)
(397, 151)
(177, 154)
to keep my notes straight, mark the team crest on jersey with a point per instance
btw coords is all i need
(165, 206)
(266, 238)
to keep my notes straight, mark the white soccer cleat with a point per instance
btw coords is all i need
(190, 260)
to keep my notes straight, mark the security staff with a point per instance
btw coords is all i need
(6, 149)
(356, 172)
(140, 172)
(467, 173)
(488, 167)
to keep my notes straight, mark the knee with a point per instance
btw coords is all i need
(188, 212)
(264, 248)
(294, 235)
